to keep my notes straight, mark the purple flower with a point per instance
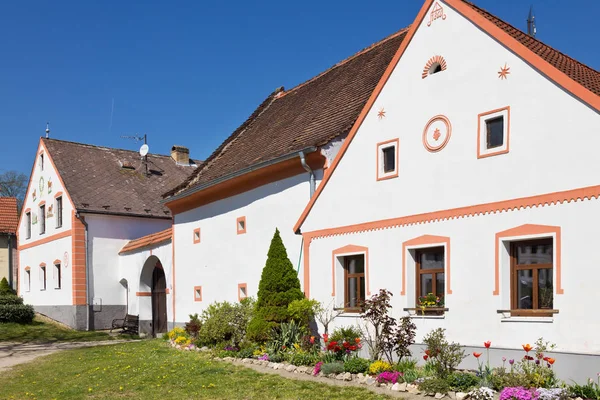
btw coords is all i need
(511, 362)
(388, 377)
(264, 357)
(317, 368)
(503, 359)
(537, 362)
(518, 393)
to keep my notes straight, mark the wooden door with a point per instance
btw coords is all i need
(159, 301)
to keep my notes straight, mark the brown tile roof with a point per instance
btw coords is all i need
(147, 241)
(311, 114)
(9, 217)
(96, 181)
(580, 73)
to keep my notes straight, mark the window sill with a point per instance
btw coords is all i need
(543, 316)
(349, 312)
(427, 313)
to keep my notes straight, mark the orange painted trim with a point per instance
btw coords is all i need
(47, 239)
(143, 294)
(78, 261)
(42, 203)
(586, 96)
(248, 181)
(396, 142)
(58, 194)
(240, 286)
(365, 111)
(346, 251)
(42, 264)
(545, 68)
(173, 267)
(57, 262)
(28, 210)
(237, 225)
(306, 250)
(167, 291)
(435, 59)
(196, 289)
(446, 121)
(424, 242)
(498, 152)
(27, 268)
(148, 241)
(529, 230)
(197, 236)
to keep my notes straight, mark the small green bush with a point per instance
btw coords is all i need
(224, 323)
(501, 379)
(303, 359)
(345, 334)
(19, 313)
(434, 385)
(411, 375)
(444, 356)
(5, 288)
(406, 364)
(246, 352)
(357, 365)
(588, 391)
(10, 299)
(462, 381)
(332, 368)
(277, 357)
(303, 311)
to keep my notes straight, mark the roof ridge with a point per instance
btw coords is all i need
(531, 37)
(102, 147)
(346, 60)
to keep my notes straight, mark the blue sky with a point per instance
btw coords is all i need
(189, 73)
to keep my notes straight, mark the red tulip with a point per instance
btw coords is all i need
(487, 344)
(357, 340)
(353, 348)
(425, 357)
(476, 354)
(325, 337)
(312, 340)
(551, 360)
(527, 347)
(428, 352)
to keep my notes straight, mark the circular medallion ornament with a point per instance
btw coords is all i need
(437, 133)
(66, 259)
(41, 184)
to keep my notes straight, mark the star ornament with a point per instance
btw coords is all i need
(381, 113)
(504, 71)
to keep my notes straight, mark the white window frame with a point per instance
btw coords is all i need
(28, 280)
(381, 174)
(57, 277)
(482, 150)
(43, 277)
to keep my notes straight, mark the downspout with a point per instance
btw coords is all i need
(312, 191)
(87, 273)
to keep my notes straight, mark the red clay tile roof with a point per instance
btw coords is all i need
(580, 73)
(97, 183)
(311, 114)
(147, 241)
(9, 217)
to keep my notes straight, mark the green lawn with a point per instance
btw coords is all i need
(152, 370)
(43, 331)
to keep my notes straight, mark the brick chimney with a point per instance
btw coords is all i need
(181, 155)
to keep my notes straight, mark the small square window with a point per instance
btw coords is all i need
(493, 132)
(197, 235)
(241, 225)
(197, 293)
(387, 159)
(242, 291)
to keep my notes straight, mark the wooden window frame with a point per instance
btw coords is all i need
(28, 220)
(59, 212)
(42, 219)
(488, 131)
(57, 276)
(44, 281)
(514, 301)
(433, 272)
(347, 276)
(27, 280)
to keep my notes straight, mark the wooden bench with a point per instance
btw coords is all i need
(129, 324)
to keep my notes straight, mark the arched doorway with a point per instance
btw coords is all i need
(159, 300)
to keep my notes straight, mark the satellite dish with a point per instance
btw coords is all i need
(144, 150)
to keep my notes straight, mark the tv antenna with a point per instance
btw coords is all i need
(144, 149)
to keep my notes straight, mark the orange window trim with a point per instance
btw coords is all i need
(47, 239)
(43, 264)
(58, 194)
(241, 231)
(27, 268)
(240, 286)
(493, 153)
(143, 294)
(424, 242)
(196, 289)
(42, 203)
(396, 143)
(348, 251)
(529, 230)
(197, 237)
(502, 37)
(56, 262)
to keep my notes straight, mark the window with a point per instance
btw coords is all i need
(197, 293)
(42, 219)
(28, 222)
(242, 291)
(57, 276)
(387, 159)
(531, 270)
(493, 132)
(43, 277)
(59, 212)
(27, 279)
(430, 274)
(435, 68)
(241, 225)
(197, 235)
(354, 282)
(42, 161)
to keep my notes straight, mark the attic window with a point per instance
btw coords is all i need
(435, 68)
(434, 65)
(127, 165)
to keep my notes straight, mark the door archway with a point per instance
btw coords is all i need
(153, 298)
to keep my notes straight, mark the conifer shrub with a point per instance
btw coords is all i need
(19, 313)
(278, 287)
(5, 288)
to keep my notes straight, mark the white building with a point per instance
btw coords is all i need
(471, 174)
(83, 204)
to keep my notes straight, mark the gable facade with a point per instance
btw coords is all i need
(465, 196)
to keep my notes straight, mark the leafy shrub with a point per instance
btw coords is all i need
(303, 359)
(444, 356)
(277, 357)
(10, 299)
(482, 393)
(332, 368)
(345, 334)
(278, 287)
(434, 385)
(259, 330)
(357, 365)
(518, 393)
(462, 381)
(193, 326)
(590, 390)
(411, 375)
(404, 337)
(379, 366)
(225, 322)
(303, 311)
(5, 288)
(246, 352)
(19, 313)
(501, 379)
(406, 364)
(288, 334)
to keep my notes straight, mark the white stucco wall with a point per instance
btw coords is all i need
(223, 259)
